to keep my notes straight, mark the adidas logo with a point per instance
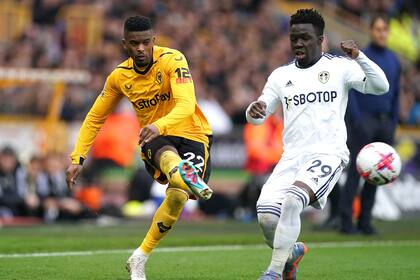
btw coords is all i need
(289, 84)
(315, 180)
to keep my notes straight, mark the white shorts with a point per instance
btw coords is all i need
(319, 171)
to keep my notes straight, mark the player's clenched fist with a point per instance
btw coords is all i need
(257, 110)
(148, 133)
(350, 48)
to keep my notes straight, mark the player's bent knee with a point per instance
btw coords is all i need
(268, 223)
(176, 197)
(292, 204)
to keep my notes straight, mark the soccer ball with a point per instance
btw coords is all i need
(378, 163)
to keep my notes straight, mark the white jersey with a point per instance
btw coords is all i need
(314, 101)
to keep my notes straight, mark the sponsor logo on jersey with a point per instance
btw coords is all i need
(289, 83)
(147, 103)
(288, 101)
(128, 86)
(324, 76)
(311, 97)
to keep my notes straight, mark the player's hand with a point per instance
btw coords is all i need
(350, 48)
(148, 133)
(257, 110)
(71, 174)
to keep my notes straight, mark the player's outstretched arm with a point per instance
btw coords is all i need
(256, 112)
(103, 106)
(371, 79)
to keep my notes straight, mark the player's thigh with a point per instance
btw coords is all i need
(149, 151)
(198, 154)
(275, 189)
(321, 173)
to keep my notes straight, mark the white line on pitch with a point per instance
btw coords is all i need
(346, 244)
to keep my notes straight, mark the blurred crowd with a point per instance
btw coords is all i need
(232, 46)
(38, 189)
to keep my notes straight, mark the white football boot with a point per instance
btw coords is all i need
(135, 265)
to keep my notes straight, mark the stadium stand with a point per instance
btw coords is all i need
(232, 46)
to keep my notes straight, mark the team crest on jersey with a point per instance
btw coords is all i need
(159, 78)
(324, 76)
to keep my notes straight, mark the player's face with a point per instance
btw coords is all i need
(379, 32)
(139, 46)
(305, 43)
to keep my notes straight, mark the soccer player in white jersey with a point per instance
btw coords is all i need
(313, 91)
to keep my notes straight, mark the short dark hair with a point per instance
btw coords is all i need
(137, 23)
(309, 16)
(8, 150)
(378, 17)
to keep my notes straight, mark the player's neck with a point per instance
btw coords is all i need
(141, 68)
(310, 63)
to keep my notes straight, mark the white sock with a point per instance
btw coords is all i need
(139, 252)
(287, 232)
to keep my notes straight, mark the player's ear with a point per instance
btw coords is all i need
(321, 39)
(123, 42)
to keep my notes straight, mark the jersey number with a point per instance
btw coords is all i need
(183, 72)
(198, 161)
(325, 169)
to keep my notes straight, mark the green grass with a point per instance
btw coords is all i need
(367, 262)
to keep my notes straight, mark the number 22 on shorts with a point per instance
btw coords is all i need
(198, 161)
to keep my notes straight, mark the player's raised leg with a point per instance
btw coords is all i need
(182, 177)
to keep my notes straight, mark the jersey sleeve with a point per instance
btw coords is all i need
(182, 88)
(103, 106)
(271, 97)
(365, 76)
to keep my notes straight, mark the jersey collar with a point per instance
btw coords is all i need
(138, 71)
(307, 66)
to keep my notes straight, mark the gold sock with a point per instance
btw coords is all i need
(170, 160)
(165, 217)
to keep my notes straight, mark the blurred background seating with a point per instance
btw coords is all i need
(232, 46)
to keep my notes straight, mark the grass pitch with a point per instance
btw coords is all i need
(92, 252)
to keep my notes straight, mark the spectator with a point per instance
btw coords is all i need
(58, 201)
(14, 200)
(37, 183)
(370, 118)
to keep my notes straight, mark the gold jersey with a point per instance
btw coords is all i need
(162, 94)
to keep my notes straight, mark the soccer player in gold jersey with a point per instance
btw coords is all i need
(175, 137)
